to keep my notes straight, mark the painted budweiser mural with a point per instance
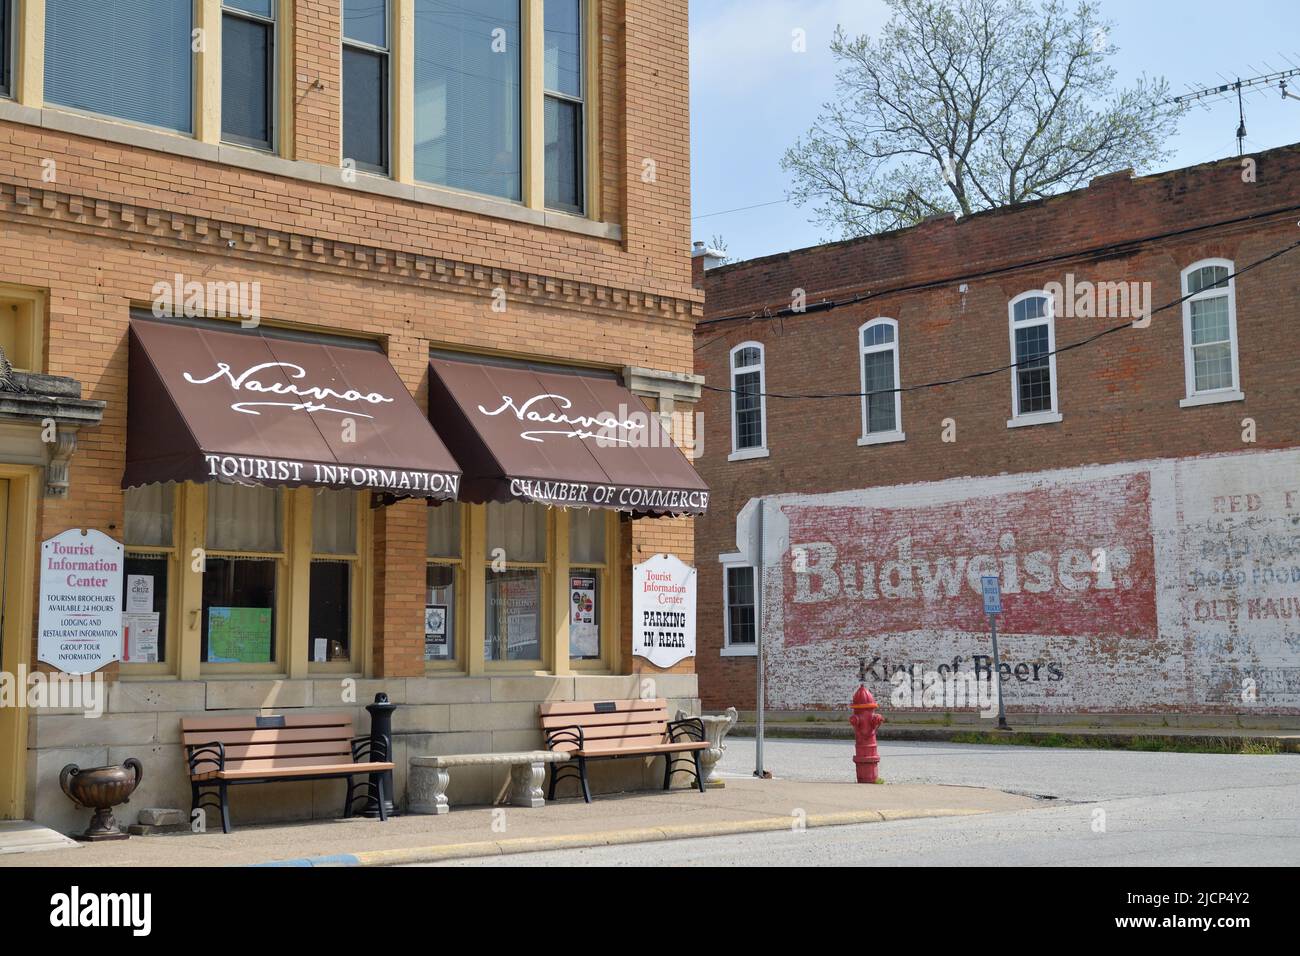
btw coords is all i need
(1165, 585)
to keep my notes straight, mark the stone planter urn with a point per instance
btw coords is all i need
(100, 789)
(716, 727)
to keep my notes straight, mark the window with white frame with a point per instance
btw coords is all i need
(1031, 316)
(748, 402)
(881, 407)
(563, 104)
(740, 621)
(1210, 333)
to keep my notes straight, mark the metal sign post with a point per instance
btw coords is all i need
(993, 607)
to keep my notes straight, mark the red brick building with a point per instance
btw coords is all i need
(502, 190)
(1137, 496)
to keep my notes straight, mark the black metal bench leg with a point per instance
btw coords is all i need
(668, 771)
(582, 769)
(383, 808)
(347, 801)
(194, 801)
(550, 793)
(699, 772)
(223, 789)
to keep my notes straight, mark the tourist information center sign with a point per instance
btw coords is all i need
(80, 628)
(663, 610)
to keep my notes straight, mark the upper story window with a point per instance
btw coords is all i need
(467, 96)
(366, 84)
(6, 47)
(564, 80)
(882, 418)
(248, 72)
(1210, 333)
(748, 402)
(126, 58)
(1033, 346)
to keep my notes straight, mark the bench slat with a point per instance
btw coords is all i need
(589, 706)
(639, 719)
(256, 751)
(630, 748)
(290, 735)
(249, 721)
(307, 769)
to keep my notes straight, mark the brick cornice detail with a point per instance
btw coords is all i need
(260, 246)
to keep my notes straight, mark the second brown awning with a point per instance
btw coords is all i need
(262, 407)
(572, 439)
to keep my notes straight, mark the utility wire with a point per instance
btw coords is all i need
(1006, 368)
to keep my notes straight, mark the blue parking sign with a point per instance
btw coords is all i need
(992, 594)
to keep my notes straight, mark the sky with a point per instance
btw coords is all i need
(752, 95)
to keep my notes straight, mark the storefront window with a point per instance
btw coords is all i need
(444, 552)
(333, 573)
(241, 574)
(516, 558)
(150, 547)
(587, 536)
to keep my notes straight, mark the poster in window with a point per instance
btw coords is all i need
(584, 631)
(239, 635)
(141, 637)
(435, 631)
(139, 593)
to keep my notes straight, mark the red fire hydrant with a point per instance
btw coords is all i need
(865, 720)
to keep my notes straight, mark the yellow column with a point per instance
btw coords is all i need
(207, 72)
(560, 593)
(30, 88)
(475, 588)
(284, 70)
(193, 513)
(533, 43)
(404, 91)
(298, 649)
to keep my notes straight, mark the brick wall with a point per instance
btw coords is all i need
(1119, 398)
(117, 219)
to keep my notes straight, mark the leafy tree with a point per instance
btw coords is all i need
(965, 105)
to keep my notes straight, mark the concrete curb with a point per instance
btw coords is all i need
(574, 841)
(1287, 742)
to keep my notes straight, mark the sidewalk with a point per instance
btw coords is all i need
(1115, 737)
(744, 805)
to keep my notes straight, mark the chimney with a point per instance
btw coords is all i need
(704, 258)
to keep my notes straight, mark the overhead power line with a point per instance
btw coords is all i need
(1004, 368)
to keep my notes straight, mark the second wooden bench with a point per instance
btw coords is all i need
(600, 730)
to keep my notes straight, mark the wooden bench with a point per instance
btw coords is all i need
(226, 751)
(600, 730)
(429, 777)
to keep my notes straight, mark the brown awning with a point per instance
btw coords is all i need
(262, 407)
(560, 438)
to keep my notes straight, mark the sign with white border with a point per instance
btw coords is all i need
(663, 610)
(80, 624)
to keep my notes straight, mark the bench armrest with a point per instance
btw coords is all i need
(565, 735)
(368, 750)
(199, 755)
(691, 728)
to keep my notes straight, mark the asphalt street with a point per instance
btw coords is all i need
(1099, 808)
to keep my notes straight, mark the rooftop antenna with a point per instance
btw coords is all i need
(1277, 78)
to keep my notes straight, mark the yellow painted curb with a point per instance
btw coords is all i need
(574, 841)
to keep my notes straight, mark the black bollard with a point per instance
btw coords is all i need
(381, 749)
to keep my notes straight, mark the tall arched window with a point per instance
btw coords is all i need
(1210, 333)
(882, 413)
(748, 402)
(1031, 317)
